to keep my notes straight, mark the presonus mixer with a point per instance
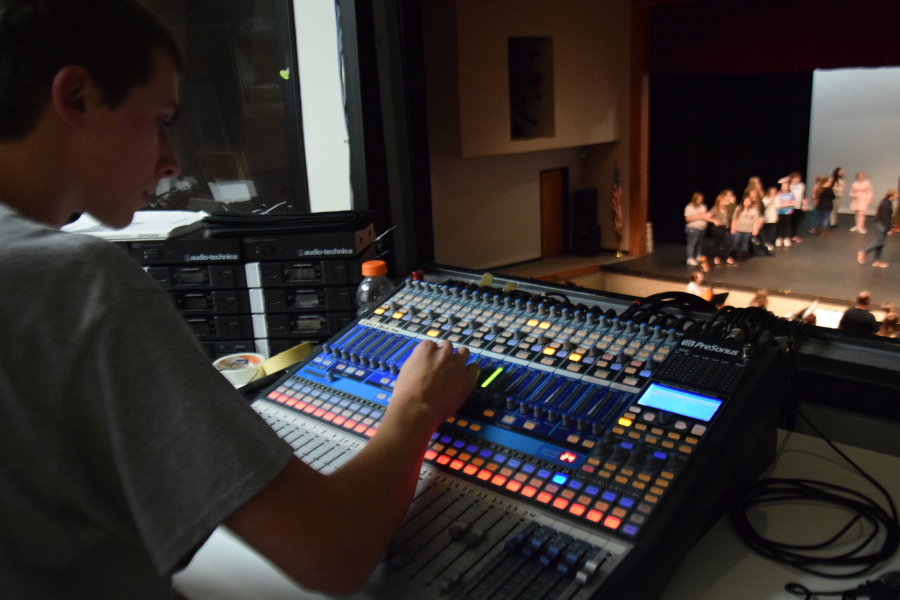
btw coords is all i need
(594, 452)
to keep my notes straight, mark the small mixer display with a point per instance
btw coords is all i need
(583, 421)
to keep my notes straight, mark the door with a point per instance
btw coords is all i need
(554, 190)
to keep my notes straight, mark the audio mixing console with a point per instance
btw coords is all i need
(592, 455)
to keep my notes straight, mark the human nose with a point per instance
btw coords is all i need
(167, 166)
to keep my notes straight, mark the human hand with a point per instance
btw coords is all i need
(434, 382)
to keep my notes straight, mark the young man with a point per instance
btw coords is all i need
(121, 448)
(858, 318)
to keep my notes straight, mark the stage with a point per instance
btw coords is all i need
(817, 268)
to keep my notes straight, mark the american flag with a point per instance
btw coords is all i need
(617, 198)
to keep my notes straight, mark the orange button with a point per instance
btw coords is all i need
(470, 470)
(567, 494)
(625, 422)
(478, 462)
(521, 477)
(443, 459)
(430, 455)
(528, 491)
(506, 472)
(656, 490)
(544, 497)
(457, 464)
(618, 430)
(360, 428)
(339, 420)
(626, 472)
(329, 416)
(514, 486)
(612, 522)
(667, 475)
(484, 475)
(620, 479)
(638, 485)
(577, 509)
(594, 516)
(619, 512)
(492, 467)
(644, 477)
(451, 452)
(309, 408)
(371, 431)
(583, 499)
(282, 398)
(498, 480)
(290, 402)
(273, 395)
(560, 503)
(602, 506)
(349, 424)
(685, 449)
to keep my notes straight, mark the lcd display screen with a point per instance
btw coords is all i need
(189, 277)
(306, 325)
(299, 273)
(192, 303)
(306, 300)
(680, 402)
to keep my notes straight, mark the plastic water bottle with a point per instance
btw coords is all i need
(374, 288)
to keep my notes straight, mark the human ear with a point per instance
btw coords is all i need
(71, 94)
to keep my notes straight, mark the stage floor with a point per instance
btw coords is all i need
(817, 268)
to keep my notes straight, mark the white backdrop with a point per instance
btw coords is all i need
(855, 124)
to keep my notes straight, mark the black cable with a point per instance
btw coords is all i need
(810, 558)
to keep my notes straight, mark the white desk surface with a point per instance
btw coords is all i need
(719, 566)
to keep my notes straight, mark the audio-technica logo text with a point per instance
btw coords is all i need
(325, 252)
(209, 257)
(709, 347)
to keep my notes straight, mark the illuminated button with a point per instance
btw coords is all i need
(528, 491)
(506, 472)
(290, 402)
(536, 482)
(594, 516)
(627, 472)
(544, 497)
(452, 452)
(651, 439)
(667, 444)
(457, 464)
(465, 456)
(484, 475)
(588, 443)
(619, 512)
(577, 509)
(549, 351)
(349, 424)
(662, 483)
(657, 431)
(430, 455)
(568, 494)
(604, 474)
(470, 470)
(340, 421)
(691, 440)
(433, 333)
(560, 504)
(475, 427)
(680, 425)
(573, 439)
(371, 431)
(462, 423)
(685, 449)
(638, 485)
(522, 477)
(545, 325)
(575, 357)
(532, 322)
(529, 425)
(478, 462)
(594, 461)
(644, 477)
(509, 419)
(610, 467)
(360, 428)
(612, 522)
(560, 479)
(656, 490)
(397, 315)
(487, 413)
(492, 467)
(667, 475)
(625, 422)
(379, 311)
(443, 459)
(651, 498)
(601, 506)
(309, 408)
(620, 479)
(618, 430)
(498, 480)
(698, 429)
(514, 486)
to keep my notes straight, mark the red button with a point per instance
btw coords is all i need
(528, 491)
(443, 459)
(430, 455)
(329, 416)
(319, 412)
(513, 486)
(300, 405)
(371, 431)
(498, 480)
(544, 497)
(484, 475)
(339, 420)
(309, 408)
(457, 464)
(612, 522)
(273, 395)
(470, 470)
(282, 398)
(577, 509)
(349, 424)
(290, 402)
(560, 503)
(360, 428)
(588, 468)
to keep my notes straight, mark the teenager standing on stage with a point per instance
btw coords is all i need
(860, 199)
(746, 223)
(825, 207)
(837, 186)
(798, 189)
(695, 225)
(785, 209)
(718, 216)
(770, 220)
(881, 225)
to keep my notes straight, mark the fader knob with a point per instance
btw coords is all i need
(620, 453)
(543, 340)
(519, 334)
(529, 306)
(429, 314)
(412, 310)
(676, 461)
(453, 320)
(486, 297)
(653, 464)
(619, 324)
(583, 424)
(354, 358)
(511, 403)
(673, 336)
(345, 355)
(330, 377)
(622, 358)
(604, 449)
(604, 322)
(335, 353)
(651, 364)
(594, 351)
(524, 408)
(394, 305)
(382, 365)
(455, 292)
(636, 458)
(597, 429)
(567, 420)
(539, 411)
(610, 438)
(495, 329)
(394, 370)
(467, 294)
(498, 301)
(568, 345)
(664, 417)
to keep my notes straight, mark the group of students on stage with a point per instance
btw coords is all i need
(770, 219)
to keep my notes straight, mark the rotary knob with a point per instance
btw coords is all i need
(519, 334)
(542, 309)
(658, 333)
(644, 329)
(665, 417)
(554, 311)
(632, 326)
(520, 304)
(597, 429)
(498, 301)
(578, 316)
(496, 329)
(591, 318)
(620, 453)
(508, 302)
(529, 306)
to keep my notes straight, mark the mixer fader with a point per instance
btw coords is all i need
(592, 444)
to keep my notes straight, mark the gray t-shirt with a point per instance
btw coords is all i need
(121, 448)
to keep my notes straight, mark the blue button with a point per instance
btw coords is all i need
(306, 390)
(354, 407)
(344, 403)
(560, 479)
(515, 464)
(660, 455)
(626, 502)
(528, 469)
(536, 348)
(325, 397)
(458, 444)
(365, 410)
(434, 435)
(486, 453)
(630, 530)
(588, 360)
(562, 354)
(375, 414)
(467, 331)
(499, 457)
(575, 484)
(489, 337)
(627, 445)
(512, 342)
(609, 496)
(645, 373)
(472, 448)
(446, 439)
(591, 490)
(616, 367)
(543, 474)
(316, 393)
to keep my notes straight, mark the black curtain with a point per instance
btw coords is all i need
(709, 133)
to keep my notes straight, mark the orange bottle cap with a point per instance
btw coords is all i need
(374, 268)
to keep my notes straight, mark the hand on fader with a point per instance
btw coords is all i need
(435, 380)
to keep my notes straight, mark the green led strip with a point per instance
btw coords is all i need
(492, 377)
